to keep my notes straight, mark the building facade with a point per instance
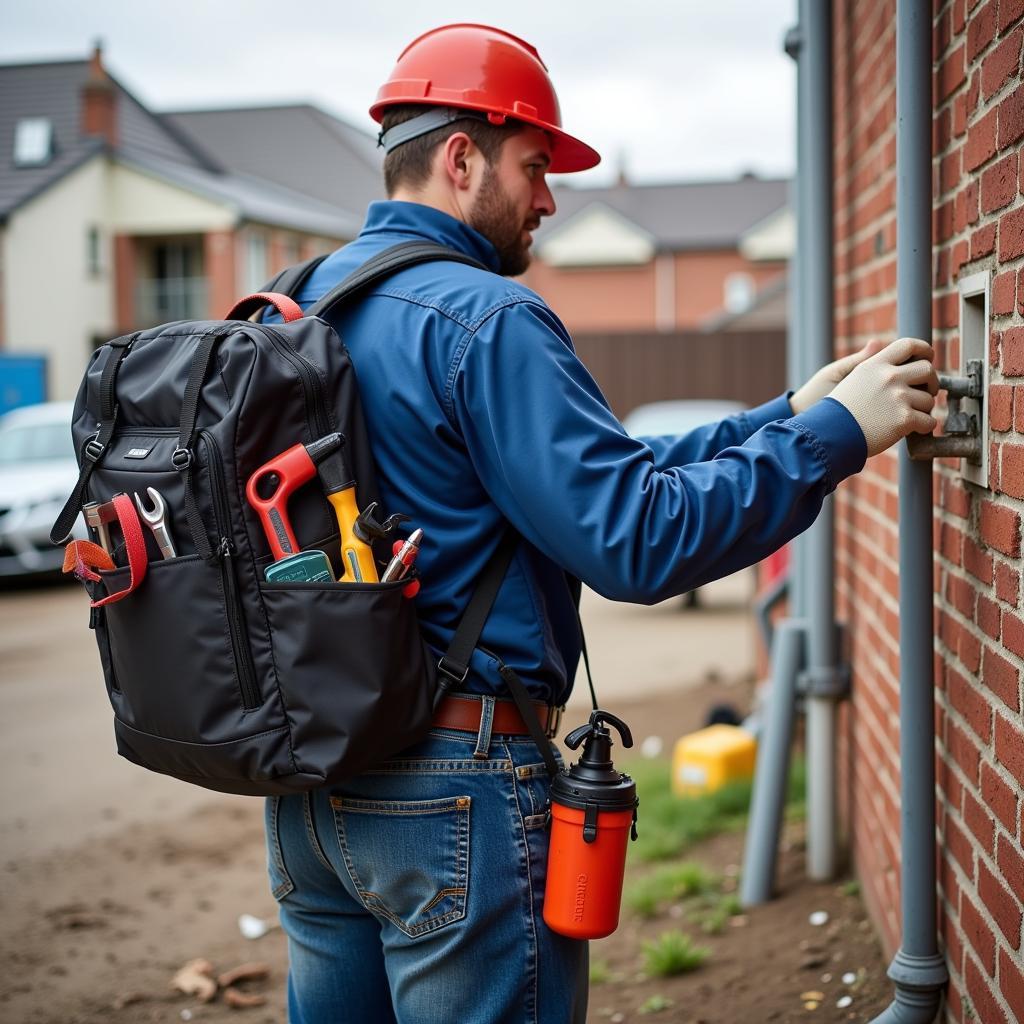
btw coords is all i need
(978, 300)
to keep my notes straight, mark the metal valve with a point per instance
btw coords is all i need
(961, 437)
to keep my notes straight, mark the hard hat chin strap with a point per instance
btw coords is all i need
(432, 119)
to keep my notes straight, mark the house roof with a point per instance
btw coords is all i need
(149, 142)
(689, 215)
(297, 145)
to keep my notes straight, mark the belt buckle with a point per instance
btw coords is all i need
(554, 720)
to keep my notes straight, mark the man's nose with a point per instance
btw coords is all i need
(544, 201)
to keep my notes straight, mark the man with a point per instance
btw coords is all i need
(414, 893)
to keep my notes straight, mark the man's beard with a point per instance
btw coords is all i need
(494, 216)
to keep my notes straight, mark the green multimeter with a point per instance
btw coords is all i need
(306, 567)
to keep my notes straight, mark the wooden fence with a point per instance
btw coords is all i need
(632, 369)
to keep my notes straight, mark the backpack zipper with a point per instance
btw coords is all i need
(309, 374)
(225, 556)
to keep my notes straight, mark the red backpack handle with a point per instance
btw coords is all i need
(244, 308)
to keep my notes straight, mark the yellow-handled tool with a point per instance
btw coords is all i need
(356, 554)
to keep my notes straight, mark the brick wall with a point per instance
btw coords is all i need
(978, 225)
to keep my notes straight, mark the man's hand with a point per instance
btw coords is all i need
(822, 383)
(891, 393)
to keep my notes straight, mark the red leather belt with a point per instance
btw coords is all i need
(463, 712)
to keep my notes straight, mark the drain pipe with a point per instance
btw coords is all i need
(918, 969)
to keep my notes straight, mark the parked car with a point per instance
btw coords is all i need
(679, 416)
(38, 471)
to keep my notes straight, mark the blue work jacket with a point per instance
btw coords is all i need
(480, 414)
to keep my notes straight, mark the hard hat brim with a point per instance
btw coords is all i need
(568, 154)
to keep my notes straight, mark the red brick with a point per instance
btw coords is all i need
(968, 649)
(959, 13)
(964, 750)
(977, 562)
(959, 109)
(999, 184)
(1009, 748)
(1001, 798)
(978, 933)
(950, 174)
(1002, 678)
(1011, 345)
(951, 74)
(951, 543)
(1013, 634)
(1011, 977)
(1011, 119)
(1000, 526)
(1000, 407)
(989, 617)
(1009, 12)
(1011, 473)
(1003, 907)
(961, 254)
(1011, 867)
(981, 141)
(1020, 277)
(1002, 63)
(979, 821)
(983, 241)
(1004, 289)
(1011, 235)
(960, 847)
(1018, 410)
(966, 206)
(981, 30)
(971, 704)
(1007, 584)
(986, 1009)
(956, 499)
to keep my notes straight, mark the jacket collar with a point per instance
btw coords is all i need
(403, 220)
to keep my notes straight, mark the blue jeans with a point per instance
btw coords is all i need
(414, 893)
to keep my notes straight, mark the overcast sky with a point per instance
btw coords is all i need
(677, 91)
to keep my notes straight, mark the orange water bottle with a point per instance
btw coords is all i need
(593, 813)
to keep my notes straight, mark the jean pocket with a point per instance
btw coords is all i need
(281, 883)
(409, 859)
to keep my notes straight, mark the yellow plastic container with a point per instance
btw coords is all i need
(706, 760)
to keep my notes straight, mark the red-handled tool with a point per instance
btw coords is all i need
(269, 489)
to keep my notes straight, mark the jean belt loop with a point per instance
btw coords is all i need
(483, 736)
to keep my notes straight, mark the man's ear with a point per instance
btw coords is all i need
(460, 159)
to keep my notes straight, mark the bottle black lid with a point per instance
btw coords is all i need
(593, 779)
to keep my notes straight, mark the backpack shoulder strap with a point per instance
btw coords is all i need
(290, 280)
(397, 257)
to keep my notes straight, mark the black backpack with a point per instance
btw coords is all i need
(217, 676)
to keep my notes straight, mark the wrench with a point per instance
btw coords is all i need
(156, 520)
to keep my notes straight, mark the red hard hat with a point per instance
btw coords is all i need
(475, 67)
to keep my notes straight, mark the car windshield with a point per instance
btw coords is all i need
(30, 444)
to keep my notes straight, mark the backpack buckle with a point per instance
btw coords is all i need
(453, 671)
(181, 459)
(94, 448)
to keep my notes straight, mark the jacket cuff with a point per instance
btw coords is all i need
(837, 436)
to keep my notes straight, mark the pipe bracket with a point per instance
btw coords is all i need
(825, 681)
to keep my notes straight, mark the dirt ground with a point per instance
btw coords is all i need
(92, 933)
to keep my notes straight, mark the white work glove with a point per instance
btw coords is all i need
(822, 383)
(883, 393)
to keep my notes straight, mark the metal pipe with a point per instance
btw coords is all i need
(765, 823)
(918, 969)
(815, 87)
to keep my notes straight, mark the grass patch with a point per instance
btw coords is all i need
(656, 1004)
(673, 953)
(668, 884)
(717, 913)
(599, 972)
(668, 824)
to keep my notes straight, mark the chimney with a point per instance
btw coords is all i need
(99, 100)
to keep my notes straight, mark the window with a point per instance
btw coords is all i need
(255, 261)
(739, 292)
(33, 142)
(93, 256)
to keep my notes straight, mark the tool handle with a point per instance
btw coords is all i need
(244, 308)
(356, 556)
(292, 468)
